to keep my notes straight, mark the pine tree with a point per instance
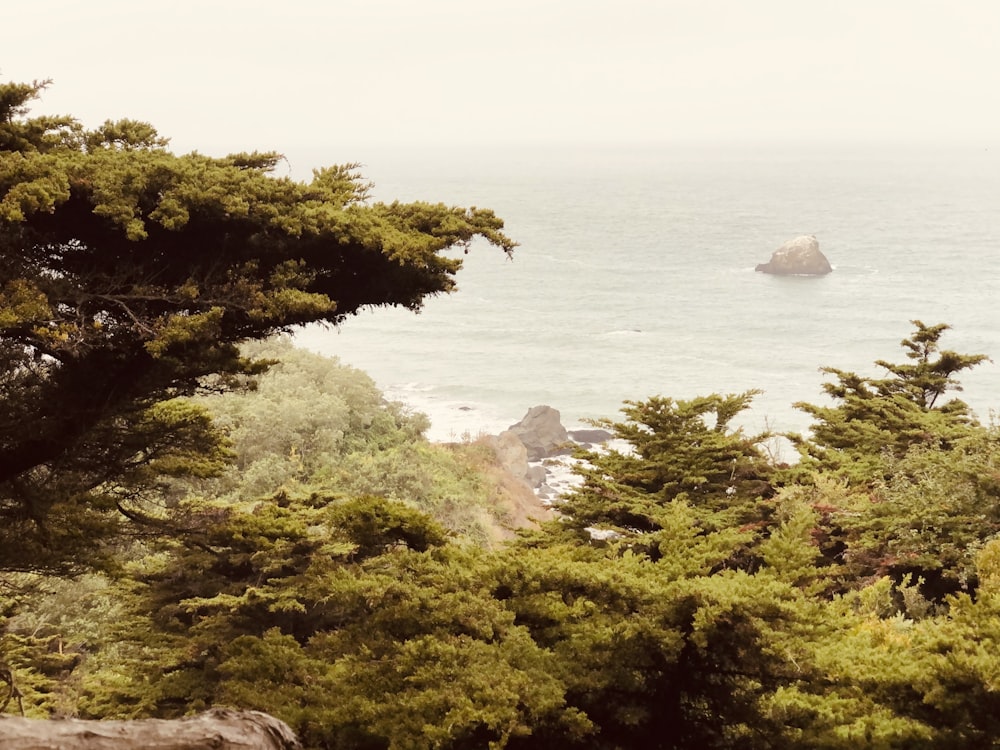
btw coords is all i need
(679, 451)
(872, 417)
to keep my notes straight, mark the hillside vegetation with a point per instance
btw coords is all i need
(346, 575)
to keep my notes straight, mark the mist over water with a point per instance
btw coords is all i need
(635, 277)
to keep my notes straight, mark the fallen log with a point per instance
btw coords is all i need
(218, 729)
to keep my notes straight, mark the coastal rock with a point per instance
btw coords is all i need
(542, 433)
(590, 436)
(798, 257)
(516, 502)
(512, 457)
(511, 454)
(536, 476)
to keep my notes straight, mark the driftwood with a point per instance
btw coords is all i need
(218, 729)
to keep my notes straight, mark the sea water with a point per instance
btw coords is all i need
(635, 277)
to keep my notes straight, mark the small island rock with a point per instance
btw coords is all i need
(798, 257)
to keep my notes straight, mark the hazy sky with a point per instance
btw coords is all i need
(226, 75)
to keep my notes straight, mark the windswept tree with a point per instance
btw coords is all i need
(680, 451)
(875, 417)
(902, 475)
(128, 277)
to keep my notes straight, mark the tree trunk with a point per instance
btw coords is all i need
(218, 729)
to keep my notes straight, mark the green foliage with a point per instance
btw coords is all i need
(873, 418)
(304, 415)
(959, 682)
(675, 654)
(18, 134)
(68, 515)
(791, 552)
(930, 516)
(354, 622)
(679, 450)
(362, 626)
(129, 274)
(51, 628)
(313, 425)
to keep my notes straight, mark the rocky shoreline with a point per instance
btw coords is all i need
(538, 450)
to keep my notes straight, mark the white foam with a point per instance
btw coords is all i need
(451, 420)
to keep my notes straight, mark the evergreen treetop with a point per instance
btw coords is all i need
(875, 417)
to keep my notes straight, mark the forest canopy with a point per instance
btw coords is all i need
(345, 575)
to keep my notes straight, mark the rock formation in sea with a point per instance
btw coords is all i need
(537, 450)
(542, 433)
(798, 257)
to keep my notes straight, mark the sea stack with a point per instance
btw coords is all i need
(542, 433)
(798, 257)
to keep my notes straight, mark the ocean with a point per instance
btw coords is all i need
(635, 277)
